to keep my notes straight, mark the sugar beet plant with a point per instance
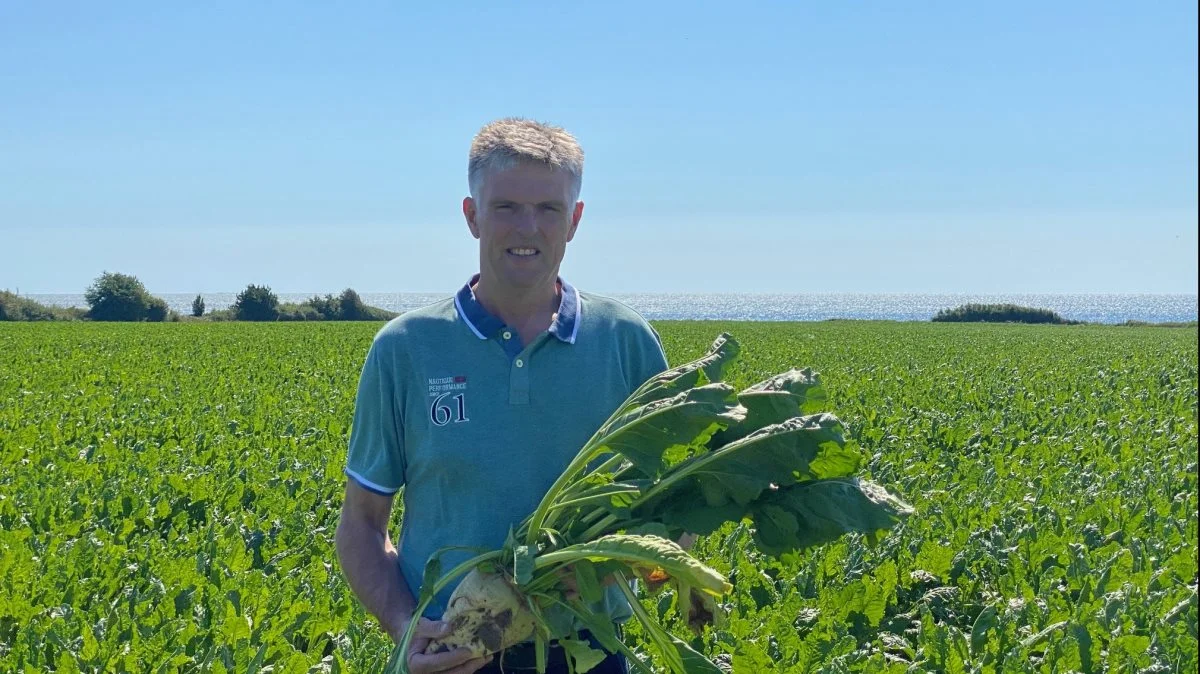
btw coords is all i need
(684, 453)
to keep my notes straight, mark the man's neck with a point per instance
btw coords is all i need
(530, 312)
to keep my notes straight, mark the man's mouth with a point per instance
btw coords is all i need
(523, 252)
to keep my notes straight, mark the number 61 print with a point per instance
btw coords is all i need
(441, 414)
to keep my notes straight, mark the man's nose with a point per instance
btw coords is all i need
(527, 219)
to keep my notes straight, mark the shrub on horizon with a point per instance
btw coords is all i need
(346, 306)
(299, 312)
(327, 307)
(350, 306)
(157, 310)
(256, 303)
(117, 297)
(1000, 313)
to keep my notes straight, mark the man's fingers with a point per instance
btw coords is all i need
(453, 660)
(470, 666)
(431, 629)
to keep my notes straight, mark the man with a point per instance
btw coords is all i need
(475, 404)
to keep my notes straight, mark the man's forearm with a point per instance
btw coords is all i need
(370, 564)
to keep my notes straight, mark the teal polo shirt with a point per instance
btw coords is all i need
(476, 426)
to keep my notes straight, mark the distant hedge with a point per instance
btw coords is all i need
(1166, 324)
(260, 303)
(121, 297)
(13, 307)
(347, 306)
(999, 313)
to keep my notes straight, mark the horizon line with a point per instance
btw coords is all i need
(448, 293)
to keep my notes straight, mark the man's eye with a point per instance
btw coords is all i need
(504, 207)
(550, 207)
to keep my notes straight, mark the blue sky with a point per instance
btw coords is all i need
(776, 147)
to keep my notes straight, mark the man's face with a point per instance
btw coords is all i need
(523, 221)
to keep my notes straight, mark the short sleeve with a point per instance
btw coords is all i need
(375, 459)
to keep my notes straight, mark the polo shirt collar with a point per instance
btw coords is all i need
(485, 326)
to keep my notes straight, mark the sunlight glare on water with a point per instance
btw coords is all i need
(1092, 308)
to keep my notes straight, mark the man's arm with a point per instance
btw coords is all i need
(371, 565)
(370, 561)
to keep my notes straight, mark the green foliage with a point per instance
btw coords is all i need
(1165, 324)
(219, 315)
(157, 310)
(328, 308)
(347, 306)
(999, 313)
(350, 306)
(13, 307)
(289, 311)
(256, 303)
(164, 512)
(117, 297)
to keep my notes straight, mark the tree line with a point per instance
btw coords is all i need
(115, 296)
(1000, 313)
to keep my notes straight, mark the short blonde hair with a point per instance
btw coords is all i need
(503, 143)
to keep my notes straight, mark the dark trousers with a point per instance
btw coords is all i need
(522, 658)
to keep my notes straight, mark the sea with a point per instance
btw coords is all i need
(1092, 308)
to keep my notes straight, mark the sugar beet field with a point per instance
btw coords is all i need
(169, 495)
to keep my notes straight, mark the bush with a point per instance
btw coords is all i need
(117, 297)
(198, 306)
(1165, 324)
(348, 306)
(351, 306)
(157, 310)
(999, 313)
(256, 303)
(299, 312)
(13, 307)
(328, 306)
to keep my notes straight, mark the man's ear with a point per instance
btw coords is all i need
(469, 213)
(575, 216)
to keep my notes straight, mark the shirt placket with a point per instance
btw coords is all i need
(518, 366)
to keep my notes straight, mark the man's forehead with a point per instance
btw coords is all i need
(527, 182)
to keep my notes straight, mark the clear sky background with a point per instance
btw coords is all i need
(765, 147)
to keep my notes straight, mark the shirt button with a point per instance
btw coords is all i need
(507, 334)
(520, 363)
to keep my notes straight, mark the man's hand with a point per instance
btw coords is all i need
(371, 565)
(457, 661)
